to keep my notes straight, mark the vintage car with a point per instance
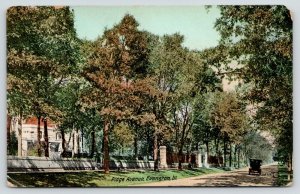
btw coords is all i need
(255, 166)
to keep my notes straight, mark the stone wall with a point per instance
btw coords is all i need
(28, 164)
(131, 164)
(19, 164)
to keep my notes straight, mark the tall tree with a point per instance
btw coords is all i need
(208, 81)
(182, 76)
(42, 51)
(259, 38)
(229, 115)
(116, 69)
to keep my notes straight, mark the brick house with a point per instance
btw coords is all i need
(29, 136)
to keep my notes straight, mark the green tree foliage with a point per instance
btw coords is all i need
(208, 82)
(259, 38)
(220, 115)
(203, 129)
(75, 115)
(131, 87)
(117, 69)
(42, 51)
(254, 145)
(172, 64)
(229, 115)
(123, 135)
(183, 77)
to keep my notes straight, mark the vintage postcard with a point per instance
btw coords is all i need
(147, 96)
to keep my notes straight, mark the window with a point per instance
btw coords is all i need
(58, 136)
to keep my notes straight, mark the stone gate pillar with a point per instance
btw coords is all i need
(206, 160)
(163, 156)
(198, 159)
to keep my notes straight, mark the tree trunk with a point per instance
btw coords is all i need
(217, 151)
(135, 146)
(46, 138)
(63, 142)
(189, 159)
(73, 143)
(207, 148)
(235, 156)
(8, 124)
(224, 159)
(290, 166)
(93, 143)
(69, 140)
(180, 152)
(246, 160)
(290, 162)
(238, 157)
(81, 141)
(20, 154)
(230, 154)
(39, 150)
(106, 146)
(148, 147)
(180, 158)
(77, 143)
(155, 152)
(102, 145)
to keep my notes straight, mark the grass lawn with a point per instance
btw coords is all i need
(98, 179)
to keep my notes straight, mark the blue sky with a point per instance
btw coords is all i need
(194, 22)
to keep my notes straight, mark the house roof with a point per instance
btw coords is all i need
(34, 121)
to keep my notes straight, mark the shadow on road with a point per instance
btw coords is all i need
(241, 178)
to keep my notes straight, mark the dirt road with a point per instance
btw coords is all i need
(227, 179)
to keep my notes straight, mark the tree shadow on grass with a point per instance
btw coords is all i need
(57, 179)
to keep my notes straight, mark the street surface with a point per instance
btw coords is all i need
(225, 179)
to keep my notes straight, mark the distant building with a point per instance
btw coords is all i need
(29, 136)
